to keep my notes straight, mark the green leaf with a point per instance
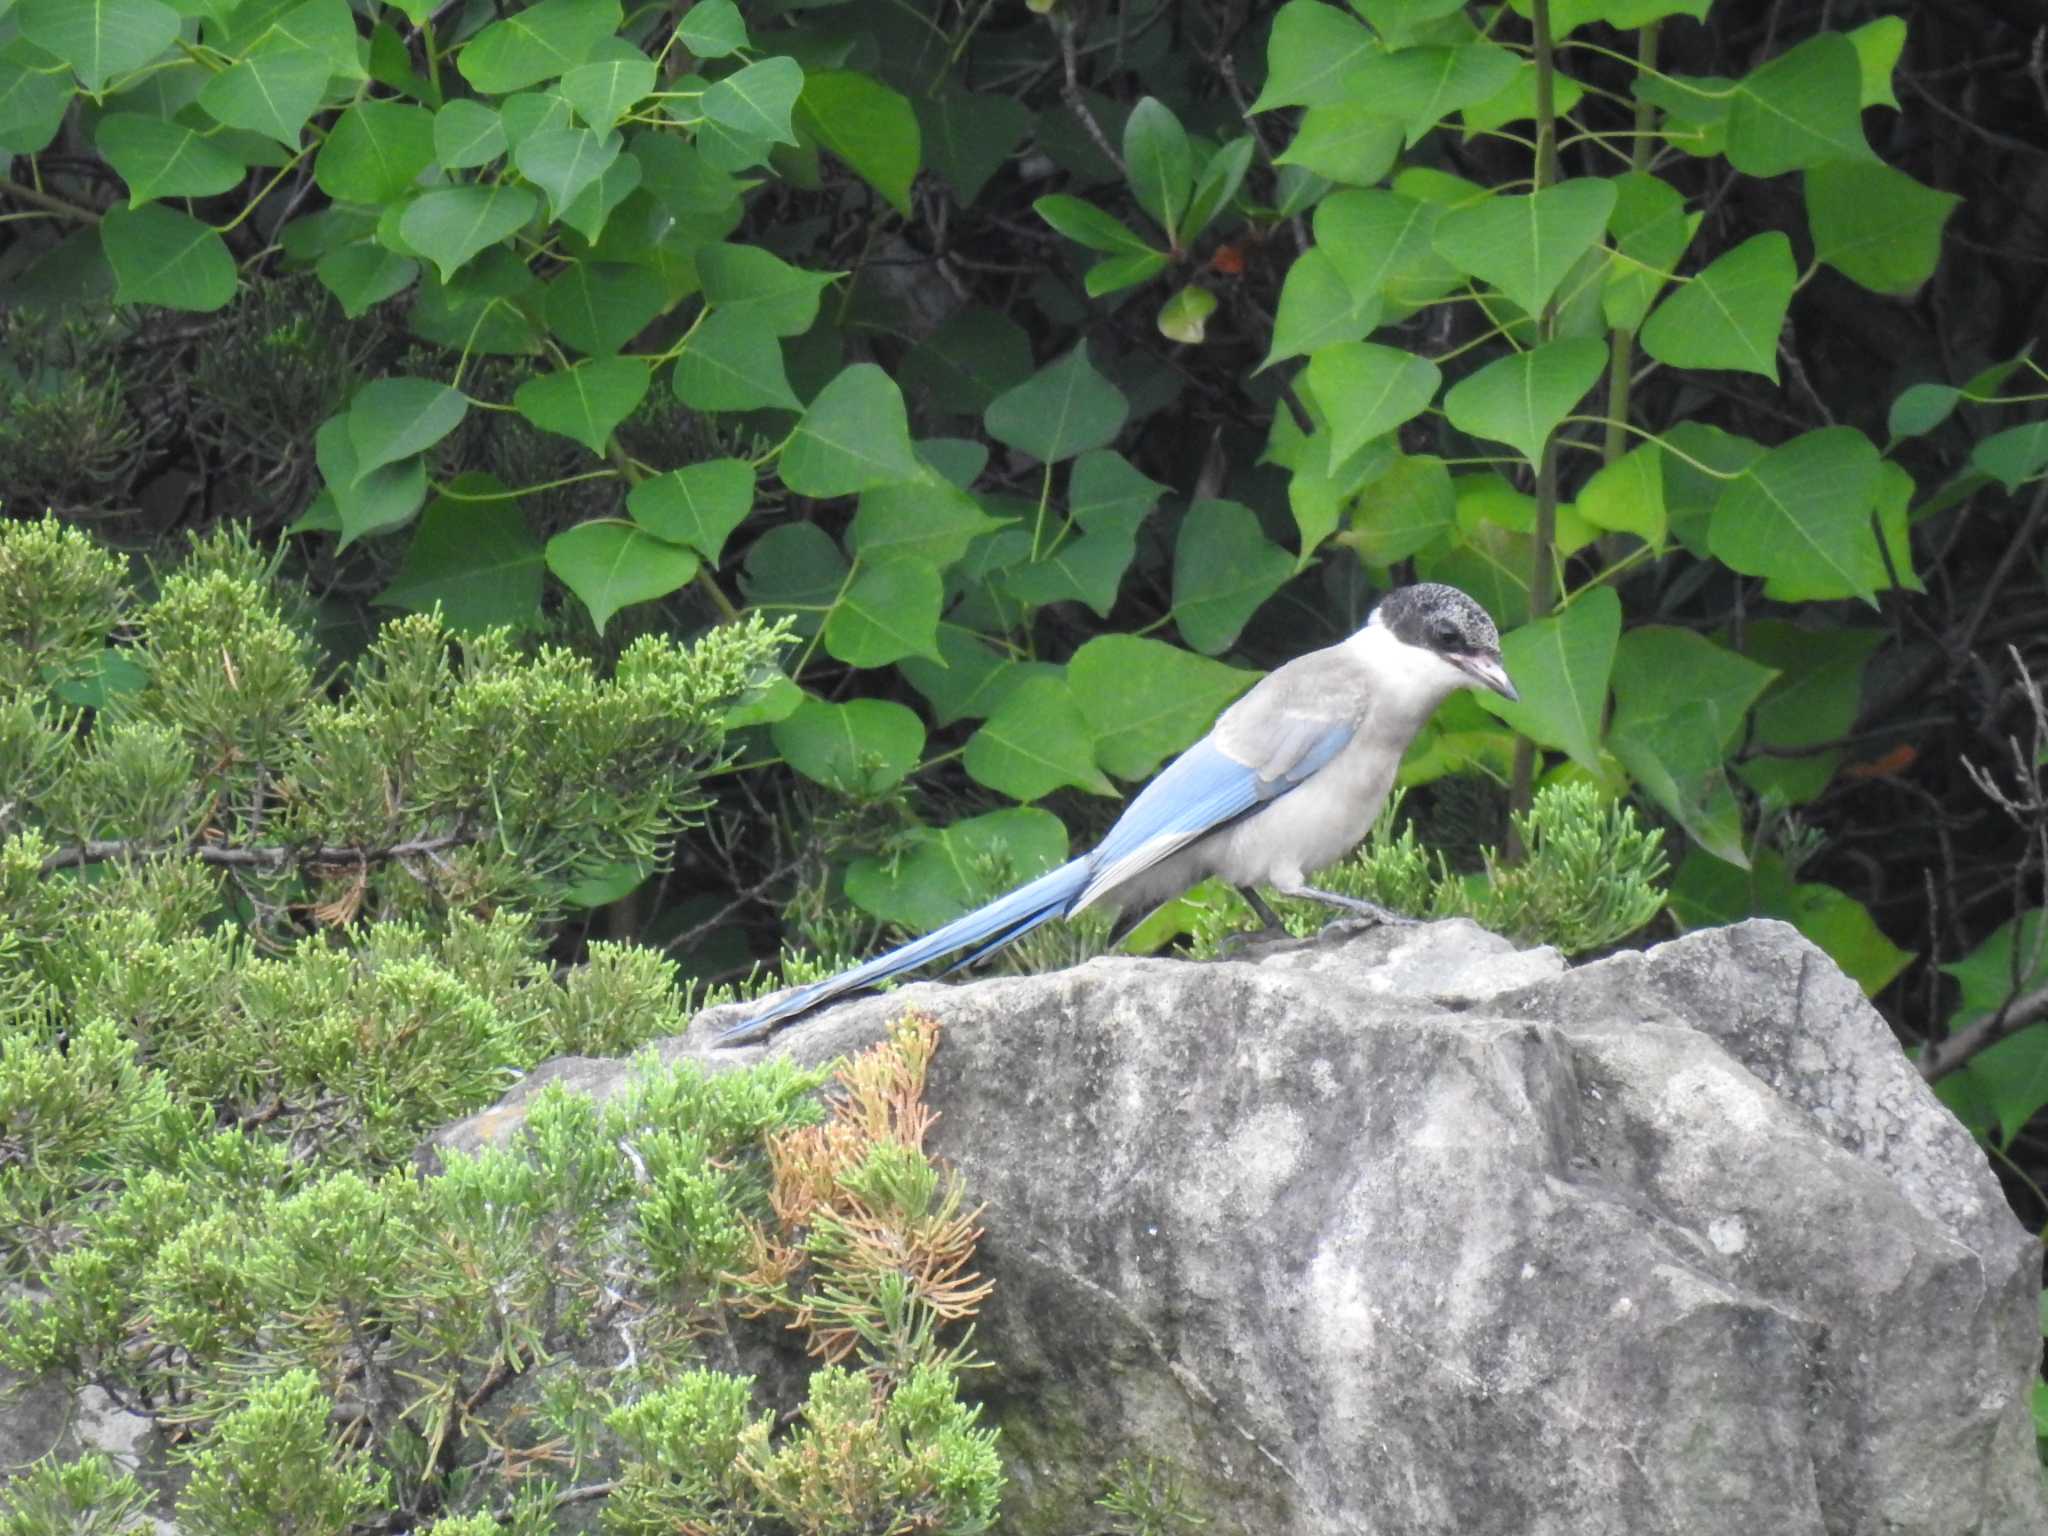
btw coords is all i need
(1146, 700)
(1345, 141)
(712, 29)
(1524, 246)
(484, 312)
(1218, 183)
(1650, 230)
(537, 44)
(1805, 504)
(887, 612)
(1627, 496)
(1037, 741)
(861, 747)
(610, 564)
(926, 520)
(868, 126)
(467, 133)
(586, 401)
(531, 112)
(271, 93)
(364, 275)
(1384, 244)
(597, 307)
(1878, 45)
(473, 557)
(1184, 318)
(326, 26)
(1064, 409)
(771, 698)
(795, 569)
(1921, 408)
(1677, 761)
(1400, 22)
(685, 182)
(366, 503)
(32, 103)
(1422, 86)
(756, 101)
(1801, 109)
(603, 91)
(1105, 494)
(393, 419)
(1876, 226)
(2014, 456)
(972, 357)
(1085, 568)
(99, 39)
(1313, 49)
(745, 280)
(1318, 309)
(375, 151)
(1368, 390)
(1224, 567)
(1660, 669)
(973, 680)
(947, 874)
(1729, 315)
(1815, 700)
(698, 505)
(565, 162)
(969, 135)
(1520, 399)
(160, 159)
(1561, 666)
(1087, 225)
(161, 256)
(1993, 972)
(450, 225)
(854, 436)
(595, 204)
(1402, 512)
(1159, 163)
(1120, 272)
(1516, 101)
(733, 363)
(1813, 581)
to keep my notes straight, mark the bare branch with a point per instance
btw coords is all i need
(275, 856)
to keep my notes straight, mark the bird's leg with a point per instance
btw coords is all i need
(1273, 928)
(1371, 911)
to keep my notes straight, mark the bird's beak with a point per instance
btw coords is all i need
(1486, 671)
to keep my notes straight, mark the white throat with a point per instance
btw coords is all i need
(1407, 680)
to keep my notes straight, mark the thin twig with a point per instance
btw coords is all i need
(269, 857)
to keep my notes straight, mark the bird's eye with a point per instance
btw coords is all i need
(1446, 635)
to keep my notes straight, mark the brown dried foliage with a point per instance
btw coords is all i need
(842, 1231)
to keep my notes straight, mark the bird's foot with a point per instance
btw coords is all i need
(1250, 938)
(1364, 914)
(1352, 927)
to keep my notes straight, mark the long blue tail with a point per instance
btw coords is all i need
(1003, 920)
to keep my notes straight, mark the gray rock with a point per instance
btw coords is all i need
(1409, 1232)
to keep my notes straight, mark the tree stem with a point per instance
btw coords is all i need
(1542, 586)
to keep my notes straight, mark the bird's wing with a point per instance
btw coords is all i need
(1252, 756)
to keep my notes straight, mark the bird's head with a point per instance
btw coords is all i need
(1449, 625)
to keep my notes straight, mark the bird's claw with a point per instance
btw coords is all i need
(1363, 922)
(1247, 938)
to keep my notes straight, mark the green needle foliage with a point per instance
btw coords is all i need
(1588, 879)
(265, 922)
